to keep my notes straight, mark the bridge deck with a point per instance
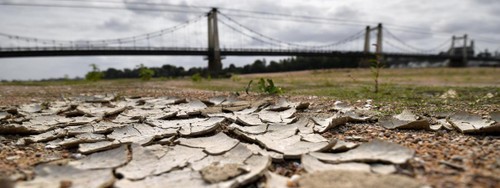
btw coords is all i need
(150, 51)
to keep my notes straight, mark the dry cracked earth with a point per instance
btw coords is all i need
(226, 141)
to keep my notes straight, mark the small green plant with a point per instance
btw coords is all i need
(267, 86)
(45, 105)
(196, 77)
(376, 65)
(94, 75)
(247, 89)
(145, 73)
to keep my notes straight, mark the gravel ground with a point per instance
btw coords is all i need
(443, 158)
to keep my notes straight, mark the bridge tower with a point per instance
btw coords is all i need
(214, 58)
(378, 50)
(458, 60)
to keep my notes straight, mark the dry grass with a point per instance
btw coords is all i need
(420, 89)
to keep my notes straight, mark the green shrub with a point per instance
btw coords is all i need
(95, 74)
(145, 73)
(196, 77)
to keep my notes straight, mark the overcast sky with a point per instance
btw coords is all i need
(435, 22)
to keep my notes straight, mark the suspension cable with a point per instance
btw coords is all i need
(112, 41)
(347, 39)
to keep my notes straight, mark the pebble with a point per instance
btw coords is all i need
(77, 156)
(21, 142)
(66, 184)
(295, 178)
(51, 147)
(457, 158)
(356, 138)
(17, 176)
(293, 181)
(12, 158)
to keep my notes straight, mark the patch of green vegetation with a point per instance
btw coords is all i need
(196, 77)
(145, 73)
(94, 75)
(267, 86)
(235, 78)
(425, 99)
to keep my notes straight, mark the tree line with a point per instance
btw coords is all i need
(258, 66)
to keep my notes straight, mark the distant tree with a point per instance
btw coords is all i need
(95, 74)
(274, 67)
(112, 73)
(258, 66)
(145, 73)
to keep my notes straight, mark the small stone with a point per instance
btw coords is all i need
(295, 178)
(457, 158)
(66, 184)
(356, 138)
(450, 94)
(13, 158)
(274, 180)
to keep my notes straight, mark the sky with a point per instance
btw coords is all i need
(424, 24)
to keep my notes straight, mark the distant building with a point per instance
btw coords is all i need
(485, 54)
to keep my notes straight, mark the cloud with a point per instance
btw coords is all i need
(116, 24)
(419, 23)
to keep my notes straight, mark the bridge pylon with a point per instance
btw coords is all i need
(365, 62)
(214, 57)
(460, 60)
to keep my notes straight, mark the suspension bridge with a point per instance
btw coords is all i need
(228, 37)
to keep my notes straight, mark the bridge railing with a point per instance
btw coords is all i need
(110, 48)
(227, 51)
(93, 48)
